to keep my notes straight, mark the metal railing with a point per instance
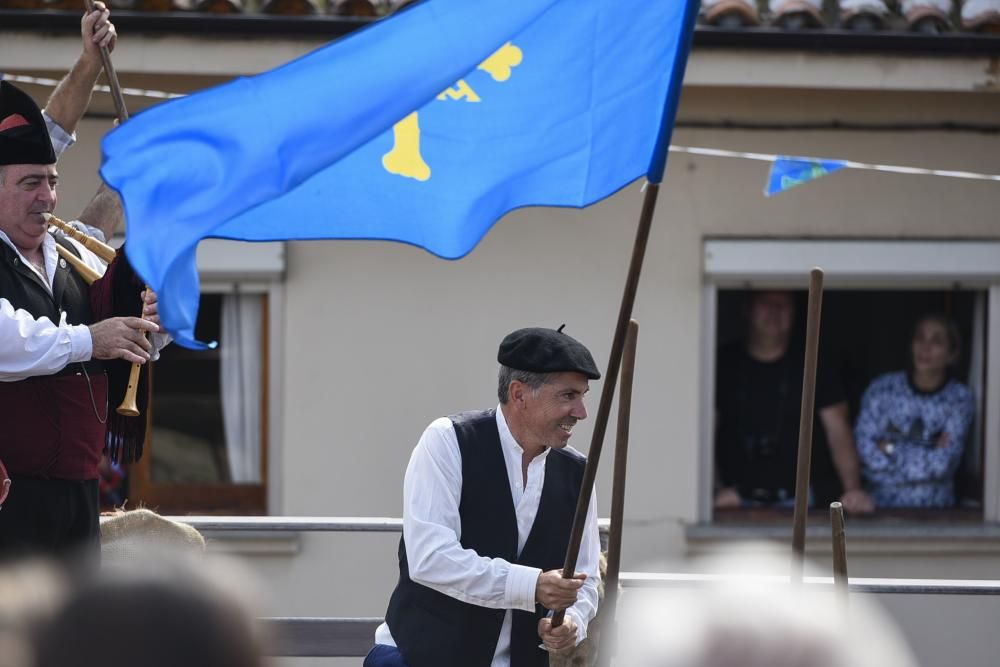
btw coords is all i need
(352, 637)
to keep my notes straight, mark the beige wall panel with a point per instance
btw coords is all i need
(78, 168)
(851, 203)
(776, 105)
(405, 346)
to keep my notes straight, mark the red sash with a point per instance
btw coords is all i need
(50, 429)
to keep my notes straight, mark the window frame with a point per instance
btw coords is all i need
(228, 267)
(855, 264)
(991, 415)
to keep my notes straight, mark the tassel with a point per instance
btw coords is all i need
(119, 294)
(126, 435)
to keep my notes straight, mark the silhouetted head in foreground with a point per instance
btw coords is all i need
(162, 613)
(756, 621)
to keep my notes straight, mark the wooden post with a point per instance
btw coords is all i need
(610, 604)
(839, 547)
(806, 423)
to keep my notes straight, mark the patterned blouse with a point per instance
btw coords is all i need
(925, 433)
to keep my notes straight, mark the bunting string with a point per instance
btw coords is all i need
(52, 83)
(846, 164)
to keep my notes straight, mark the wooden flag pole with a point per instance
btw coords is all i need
(610, 603)
(608, 390)
(128, 406)
(109, 72)
(658, 165)
(806, 423)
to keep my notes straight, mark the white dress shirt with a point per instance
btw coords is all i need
(31, 346)
(432, 489)
(61, 139)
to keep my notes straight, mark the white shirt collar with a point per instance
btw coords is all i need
(48, 255)
(507, 439)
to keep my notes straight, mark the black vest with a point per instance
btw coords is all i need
(24, 289)
(432, 629)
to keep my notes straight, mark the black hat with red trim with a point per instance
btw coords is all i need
(24, 139)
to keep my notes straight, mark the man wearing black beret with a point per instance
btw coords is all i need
(489, 498)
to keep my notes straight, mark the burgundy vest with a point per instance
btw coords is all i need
(51, 427)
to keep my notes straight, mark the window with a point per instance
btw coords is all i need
(210, 438)
(864, 334)
(207, 448)
(874, 292)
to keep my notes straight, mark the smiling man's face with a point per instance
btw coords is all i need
(551, 412)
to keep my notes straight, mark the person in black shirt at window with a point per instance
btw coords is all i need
(758, 399)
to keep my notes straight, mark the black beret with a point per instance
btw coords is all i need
(541, 350)
(24, 139)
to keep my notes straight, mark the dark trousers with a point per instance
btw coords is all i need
(50, 517)
(384, 656)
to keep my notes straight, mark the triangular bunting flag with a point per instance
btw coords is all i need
(787, 172)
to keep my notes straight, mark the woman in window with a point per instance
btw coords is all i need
(913, 424)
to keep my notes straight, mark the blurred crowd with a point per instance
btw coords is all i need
(154, 599)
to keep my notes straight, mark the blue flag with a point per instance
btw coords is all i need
(423, 128)
(787, 172)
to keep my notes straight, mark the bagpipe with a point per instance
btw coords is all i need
(118, 291)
